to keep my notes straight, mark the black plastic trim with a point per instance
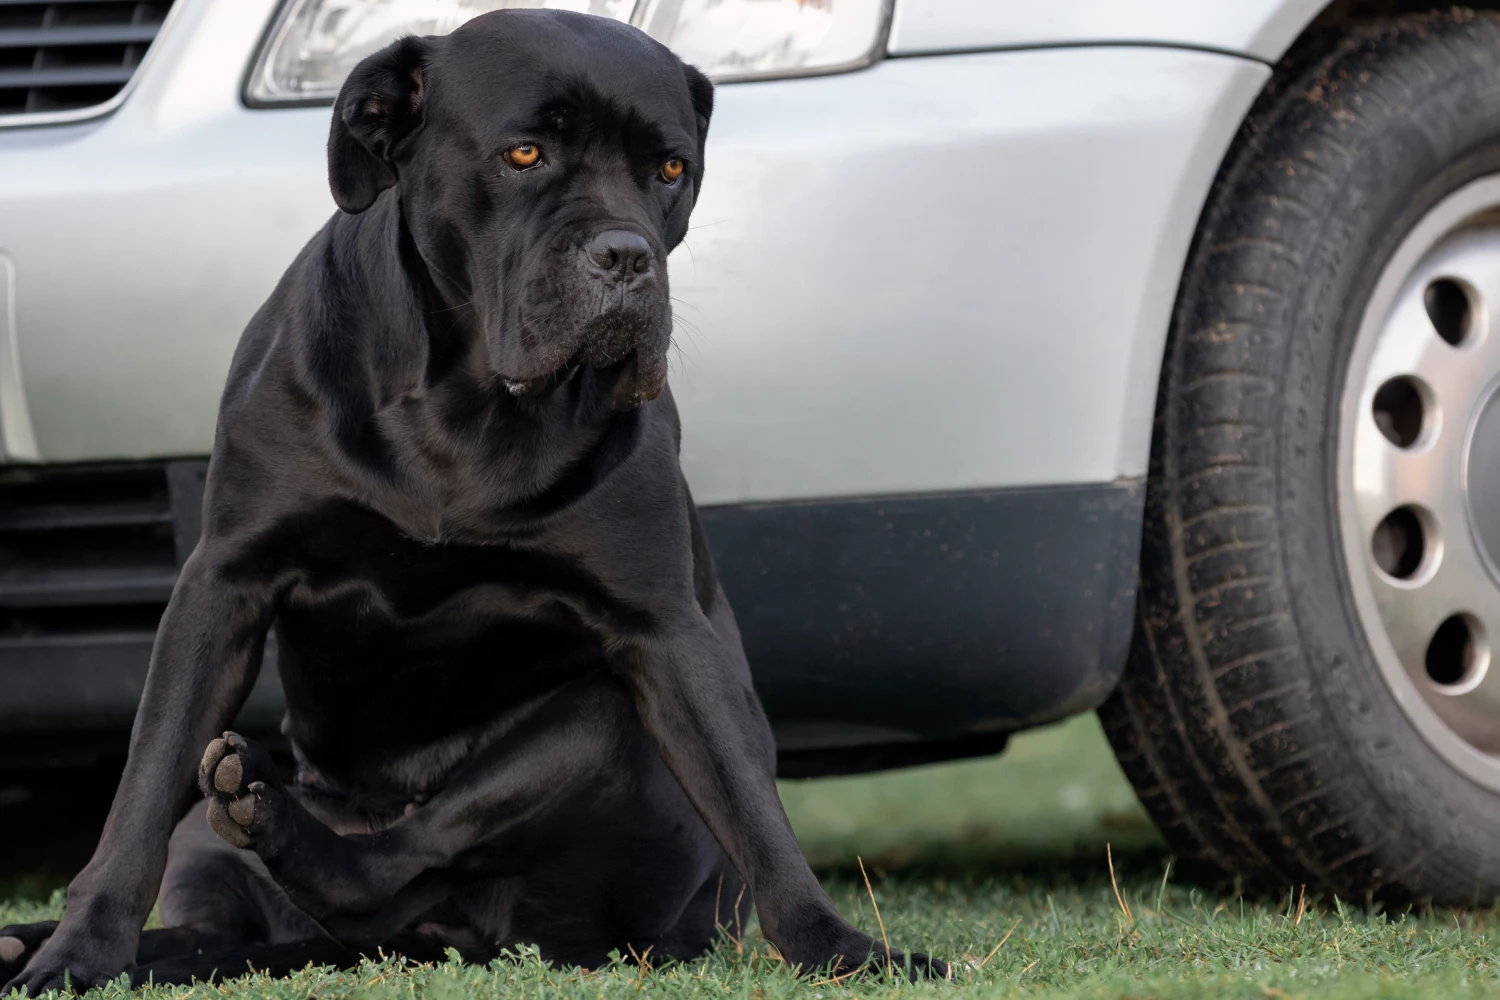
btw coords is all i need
(882, 631)
(897, 621)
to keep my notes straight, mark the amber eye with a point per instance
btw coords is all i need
(523, 156)
(671, 170)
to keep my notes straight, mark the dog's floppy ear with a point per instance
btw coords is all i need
(379, 105)
(701, 90)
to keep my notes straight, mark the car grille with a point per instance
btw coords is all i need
(88, 558)
(72, 54)
(86, 549)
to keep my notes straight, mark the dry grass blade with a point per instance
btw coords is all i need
(1124, 906)
(642, 960)
(835, 980)
(718, 894)
(996, 950)
(871, 890)
(1301, 906)
(739, 934)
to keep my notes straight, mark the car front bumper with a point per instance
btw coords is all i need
(921, 310)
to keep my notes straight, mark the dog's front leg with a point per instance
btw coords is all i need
(206, 657)
(693, 694)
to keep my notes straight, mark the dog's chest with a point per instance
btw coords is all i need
(352, 561)
(387, 645)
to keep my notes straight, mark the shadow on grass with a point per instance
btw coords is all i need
(1136, 858)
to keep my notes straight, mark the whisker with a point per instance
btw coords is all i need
(686, 324)
(461, 305)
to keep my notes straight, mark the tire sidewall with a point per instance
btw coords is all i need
(1409, 160)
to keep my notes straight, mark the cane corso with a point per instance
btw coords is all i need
(446, 470)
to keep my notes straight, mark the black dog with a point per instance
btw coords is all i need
(446, 469)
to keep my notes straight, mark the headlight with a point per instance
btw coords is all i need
(744, 39)
(315, 43)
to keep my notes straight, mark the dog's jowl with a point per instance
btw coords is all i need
(446, 474)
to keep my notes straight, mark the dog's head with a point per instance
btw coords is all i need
(546, 164)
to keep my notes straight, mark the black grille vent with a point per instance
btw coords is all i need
(88, 557)
(85, 550)
(72, 54)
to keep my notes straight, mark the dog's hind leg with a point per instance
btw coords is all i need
(213, 898)
(721, 907)
(19, 942)
(364, 888)
(272, 959)
(285, 958)
(227, 916)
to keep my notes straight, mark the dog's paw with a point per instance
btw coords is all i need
(913, 965)
(845, 953)
(917, 966)
(50, 956)
(18, 943)
(245, 797)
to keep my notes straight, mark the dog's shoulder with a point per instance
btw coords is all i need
(340, 335)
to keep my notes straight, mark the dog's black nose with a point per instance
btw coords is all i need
(620, 255)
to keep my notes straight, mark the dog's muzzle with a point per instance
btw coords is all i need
(626, 342)
(639, 378)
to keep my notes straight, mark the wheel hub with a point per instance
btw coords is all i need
(1482, 480)
(1419, 490)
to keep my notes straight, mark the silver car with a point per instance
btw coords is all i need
(1033, 358)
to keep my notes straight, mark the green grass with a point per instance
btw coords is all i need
(962, 855)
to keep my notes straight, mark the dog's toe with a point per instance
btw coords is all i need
(209, 766)
(927, 967)
(18, 943)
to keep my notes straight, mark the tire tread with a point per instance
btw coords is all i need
(1216, 722)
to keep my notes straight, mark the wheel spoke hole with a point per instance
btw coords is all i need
(1400, 543)
(1400, 411)
(1450, 310)
(1457, 655)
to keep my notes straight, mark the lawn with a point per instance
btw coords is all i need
(1000, 866)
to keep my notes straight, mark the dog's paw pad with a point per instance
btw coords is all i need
(11, 948)
(230, 774)
(223, 823)
(242, 810)
(208, 767)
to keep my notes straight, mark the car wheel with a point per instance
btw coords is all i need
(1311, 697)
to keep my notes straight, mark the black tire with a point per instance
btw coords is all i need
(1252, 718)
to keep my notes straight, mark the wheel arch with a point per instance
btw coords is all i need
(1292, 22)
(1291, 34)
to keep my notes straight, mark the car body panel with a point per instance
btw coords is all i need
(1259, 29)
(993, 278)
(1028, 251)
